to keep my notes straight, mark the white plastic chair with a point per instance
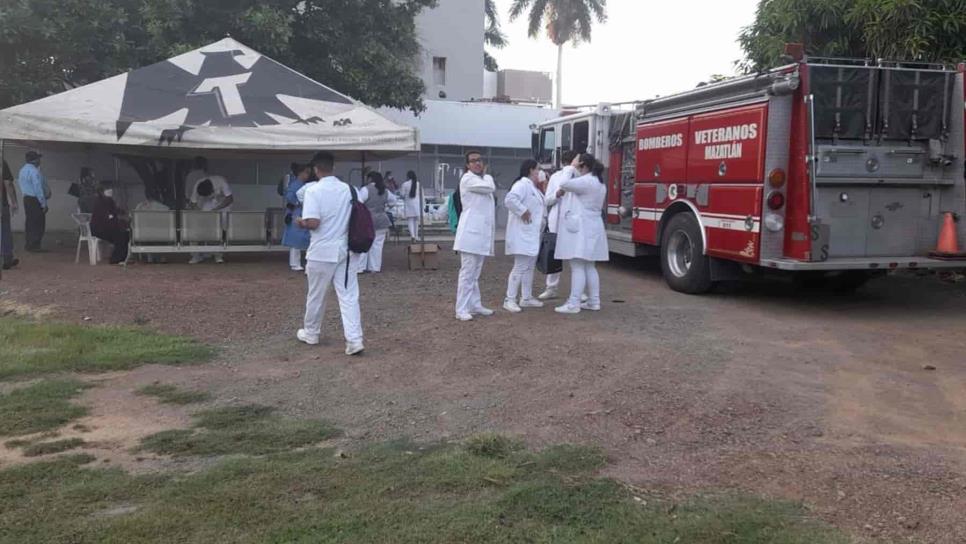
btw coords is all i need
(83, 221)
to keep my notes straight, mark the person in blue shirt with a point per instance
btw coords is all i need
(33, 185)
(295, 237)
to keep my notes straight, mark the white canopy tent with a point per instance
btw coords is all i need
(221, 99)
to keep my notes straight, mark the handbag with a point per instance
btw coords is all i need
(546, 262)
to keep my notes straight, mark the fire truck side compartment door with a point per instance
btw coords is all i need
(662, 151)
(728, 146)
(845, 209)
(895, 218)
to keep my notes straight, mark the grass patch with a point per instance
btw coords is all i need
(170, 394)
(39, 407)
(32, 348)
(57, 446)
(395, 492)
(250, 429)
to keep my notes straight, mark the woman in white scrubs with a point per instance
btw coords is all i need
(581, 238)
(527, 210)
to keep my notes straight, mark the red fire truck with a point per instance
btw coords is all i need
(832, 169)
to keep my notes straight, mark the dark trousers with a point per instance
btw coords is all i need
(6, 235)
(35, 223)
(119, 238)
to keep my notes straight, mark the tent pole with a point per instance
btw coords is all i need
(2, 163)
(117, 179)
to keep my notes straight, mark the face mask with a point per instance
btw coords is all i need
(109, 193)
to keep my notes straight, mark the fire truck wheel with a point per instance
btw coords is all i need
(686, 269)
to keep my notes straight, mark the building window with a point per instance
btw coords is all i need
(439, 71)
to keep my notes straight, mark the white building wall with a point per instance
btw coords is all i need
(454, 31)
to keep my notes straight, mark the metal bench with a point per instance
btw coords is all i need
(201, 228)
(276, 224)
(154, 227)
(246, 228)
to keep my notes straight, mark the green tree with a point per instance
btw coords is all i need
(926, 30)
(564, 20)
(364, 48)
(493, 35)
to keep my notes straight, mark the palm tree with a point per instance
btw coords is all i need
(493, 35)
(564, 20)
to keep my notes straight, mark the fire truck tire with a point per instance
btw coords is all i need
(685, 267)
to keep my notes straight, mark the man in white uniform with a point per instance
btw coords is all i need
(550, 196)
(474, 235)
(325, 212)
(212, 193)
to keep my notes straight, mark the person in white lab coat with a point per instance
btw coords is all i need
(325, 212)
(474, 235)
(527, 211)
(412, 193)
(581, 239)
(567, 172)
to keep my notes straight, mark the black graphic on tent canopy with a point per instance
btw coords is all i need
(224, 93)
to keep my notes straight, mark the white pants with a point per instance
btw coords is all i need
(468, 298)
(521, 277)
(553, 282)
(583, 274)
(294, 258)
(373, 259)
(357, 262)
(320, 275)
(413, 224)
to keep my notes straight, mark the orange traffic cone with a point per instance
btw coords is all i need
(947, 246)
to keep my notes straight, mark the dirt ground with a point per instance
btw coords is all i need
(811, 397)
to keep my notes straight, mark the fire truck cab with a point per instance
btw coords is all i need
(834, 168)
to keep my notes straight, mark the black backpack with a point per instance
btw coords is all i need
(361, 230)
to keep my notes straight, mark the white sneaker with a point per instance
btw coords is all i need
(464, 317)
(354, 348)
(567, 309)
(511, 306)
(483, 311)
(589, 306)
(297, 269)
(306, 337)
(220, 259)
(584, 298)
(547, 295)
(531, 303)
(195, 259)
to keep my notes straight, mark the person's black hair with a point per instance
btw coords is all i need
(567, 157)
(151, 193)
(323, 160)
(201, 163)
(388, 174)
(205, 188)
(86, 172)
(376, 179)
(596, 167)
(296, 168)
(526, 167)
(104, 185)
(411, 176)
(471, 152)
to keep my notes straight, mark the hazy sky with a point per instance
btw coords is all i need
(646, 48)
